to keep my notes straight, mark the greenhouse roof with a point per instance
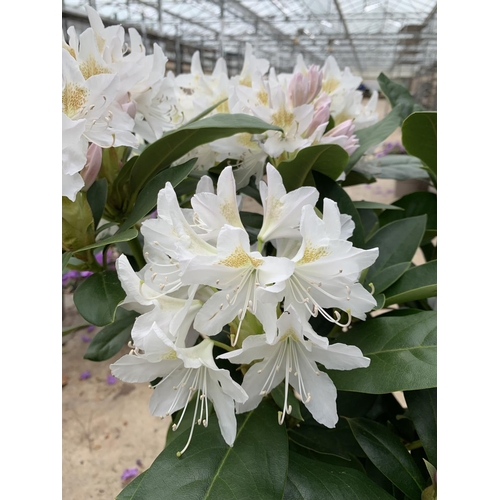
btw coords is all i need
(394, 36)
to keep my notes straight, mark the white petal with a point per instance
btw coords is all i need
(339, 357)
(131, 368)
(224, 408)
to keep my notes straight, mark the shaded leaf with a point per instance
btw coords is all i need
(313, 480)
(278, 394)
(118, 237)
(387, 276)
(402, 350)
(111, 338)
(419, 133)
(389, 455)
(417, 283)
(96, 197)
(329, 159)
(148, 197)
(374, 135)
(66, 256)
(397, 243)
(423, 412)
(98, 297)
(398, 95)
(254, 468)
(175, 144)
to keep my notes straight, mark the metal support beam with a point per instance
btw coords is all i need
(348, 35)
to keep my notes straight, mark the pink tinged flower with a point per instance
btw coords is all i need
(344, 136)
(93, 165)
(293, 359)
(320, 117)
(130, 108)
(304, 87)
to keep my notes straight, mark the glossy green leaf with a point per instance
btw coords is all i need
(352, 462)
(414, 204)
(111, 338)
(398, 95)
(423, 412)
(118, 237)
(278, 394)
(387, 276)
(402, 350)
(329, 159)
(397, 243)
(389, 455)
(96, 197)
(374, 135)
(207, 111)
(314, 480)
(330, 189)
(254, 468)
(373, 205)
(419, 282)
(354, 177)
(178, 142)
(369, 220)
(98, 297)
(148, 197)
(419, 133)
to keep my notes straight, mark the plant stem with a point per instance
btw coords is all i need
(222, 346)
(71, 329)
(136, 248)
(260, 244)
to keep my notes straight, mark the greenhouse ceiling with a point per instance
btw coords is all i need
(370, 36)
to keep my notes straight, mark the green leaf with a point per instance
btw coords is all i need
(329, 159)
(112, 338)
(254, 468)
(118, 237)
(414, 204)
(178, 142)
(352, 462)
(148, 197)
(420, 137)
(66, 256)
(397, 243)
(398, 95)
(96, 196)
(387, 276)
(398, 167)
(374, 135)
(369, 220)
(207, 111)
(373, 205)
(389, 455)
(423, 412)
(314, 480)
(402, 350)
(417, 283)
(278, 394)
(98, 297)
(330, 189)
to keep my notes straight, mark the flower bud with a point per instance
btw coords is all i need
(344, 136)
(303, 89)
(321, 116)
(130, 108)
(93, 165)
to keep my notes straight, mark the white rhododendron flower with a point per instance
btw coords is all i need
(186, 373)
(292, 358)
(201, 274)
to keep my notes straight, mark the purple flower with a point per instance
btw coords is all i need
(111, 380)
(129, 473)
(86, 338)
(90, 328)
(85, 375)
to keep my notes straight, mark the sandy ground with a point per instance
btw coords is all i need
(108, 428)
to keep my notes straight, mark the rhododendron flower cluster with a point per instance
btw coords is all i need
(113, 94)
(203, 273)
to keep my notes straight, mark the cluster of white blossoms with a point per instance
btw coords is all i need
(113, 94)
(202, 274)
